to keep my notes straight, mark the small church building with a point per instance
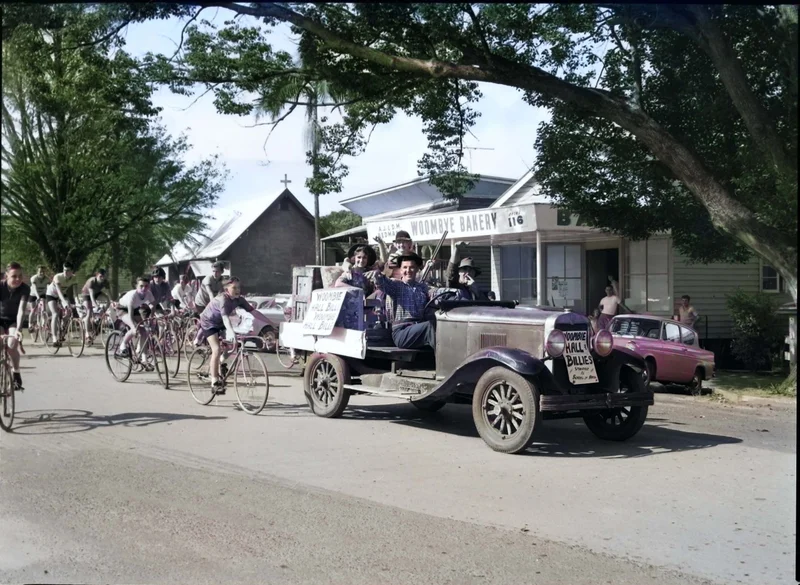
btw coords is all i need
(259, 240)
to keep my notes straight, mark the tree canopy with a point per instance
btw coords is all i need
(665, 116)
(84, 163)
(338, 221)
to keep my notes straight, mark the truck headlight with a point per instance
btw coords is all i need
(555, 343)
(603, 343)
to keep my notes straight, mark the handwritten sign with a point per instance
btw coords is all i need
(580, 364)
(323, 311)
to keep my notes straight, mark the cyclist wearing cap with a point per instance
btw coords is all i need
(62, 289)
(209, 288)
(159, 288)
(91, 291)
(13, 300)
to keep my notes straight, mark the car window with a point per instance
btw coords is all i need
(687, 336)
(671, 333)
(636, 327)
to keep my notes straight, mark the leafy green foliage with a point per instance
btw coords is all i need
(679, 117)
(757, 331)
(84, 164)
(338, 221)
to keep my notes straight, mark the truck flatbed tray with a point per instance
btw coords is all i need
(392, 352)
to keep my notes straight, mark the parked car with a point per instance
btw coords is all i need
(671, 350)
(516, 366)
(275, 310)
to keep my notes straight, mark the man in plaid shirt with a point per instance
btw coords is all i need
(410, 330)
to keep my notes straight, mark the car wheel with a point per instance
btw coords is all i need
(505, 408)
(695, 387)
(324, 380)
(620, 424)
(269, 337)
(648, 375)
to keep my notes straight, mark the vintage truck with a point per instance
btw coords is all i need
(516, 366)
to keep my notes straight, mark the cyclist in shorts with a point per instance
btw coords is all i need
(13, 301)
(215, 320)
(62, 289)
(131, 306)
(39, 282)
(182, 294)
(209, 288)
(91, 291)
(159, 288)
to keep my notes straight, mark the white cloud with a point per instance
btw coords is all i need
(507, 125)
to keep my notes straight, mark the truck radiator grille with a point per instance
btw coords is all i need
(493, 340)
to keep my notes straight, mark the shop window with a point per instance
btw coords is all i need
(647, 286)
(771, 281)
(564, 285)
(519, 273)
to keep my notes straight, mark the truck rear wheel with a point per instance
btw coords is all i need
(505, 408)
(620, 424)
(324, 381)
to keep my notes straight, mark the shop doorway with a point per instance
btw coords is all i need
(600, 264)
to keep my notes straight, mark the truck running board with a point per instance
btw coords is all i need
(376, 391)
(604, 401)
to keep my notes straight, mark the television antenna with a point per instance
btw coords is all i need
(469, 154)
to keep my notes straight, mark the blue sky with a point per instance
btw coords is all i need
(507, 124)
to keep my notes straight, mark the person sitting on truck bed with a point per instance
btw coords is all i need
(410, 329)
(361, 258)
(463, 278)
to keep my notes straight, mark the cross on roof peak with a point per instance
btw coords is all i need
(286, 181)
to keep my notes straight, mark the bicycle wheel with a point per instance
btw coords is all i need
(284, 355)
(251, 382)
(76, 337)
(188, 337)
(106, 327)
(197, 374)
(48, 337)
(120, 367)
(33, 326)
(6, 397)
(159, 361)
(172, 349)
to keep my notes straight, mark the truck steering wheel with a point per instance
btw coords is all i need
(437, 297)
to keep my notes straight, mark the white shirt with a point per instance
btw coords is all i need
(182, 293)
(133, 299)
(610, 304)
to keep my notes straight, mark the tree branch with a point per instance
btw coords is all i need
(479, 29)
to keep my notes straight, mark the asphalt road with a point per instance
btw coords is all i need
(108, 482)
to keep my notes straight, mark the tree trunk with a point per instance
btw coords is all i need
(114, 269)
(317, 259)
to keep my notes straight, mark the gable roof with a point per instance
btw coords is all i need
(418, 193)
(525, 190)
(224, 226)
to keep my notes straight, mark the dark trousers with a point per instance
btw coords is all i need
(415, 336)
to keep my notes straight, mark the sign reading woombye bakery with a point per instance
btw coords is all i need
(462, 224)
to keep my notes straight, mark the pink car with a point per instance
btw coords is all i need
(670, 350)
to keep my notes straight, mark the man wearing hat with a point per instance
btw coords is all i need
(410, 330)
(403, 245)
(463, 276)
(361, 258)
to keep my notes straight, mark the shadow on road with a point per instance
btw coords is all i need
(58, 421)
(555, 438)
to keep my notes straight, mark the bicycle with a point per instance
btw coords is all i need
(7, 388)
(286, 356)
(37, 321)
(250, 376)
(70, 329)
(150, 357)
(169, 337)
